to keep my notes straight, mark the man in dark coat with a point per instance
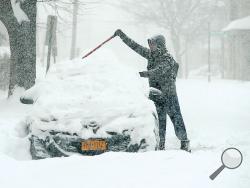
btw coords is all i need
(162, 72)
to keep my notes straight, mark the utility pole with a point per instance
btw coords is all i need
(50, 38)
(186, 58)
(223, 56)
(209, 52)
(74, 29)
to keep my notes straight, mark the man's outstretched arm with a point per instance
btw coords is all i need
(143, 51)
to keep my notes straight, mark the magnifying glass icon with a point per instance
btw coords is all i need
(231, 158)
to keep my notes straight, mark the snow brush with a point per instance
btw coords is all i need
(100, 45)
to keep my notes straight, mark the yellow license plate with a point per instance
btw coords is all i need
(94, 145)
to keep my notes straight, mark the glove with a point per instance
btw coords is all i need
(157, 96)
(155, 91)
(144, 74)
(118, 32)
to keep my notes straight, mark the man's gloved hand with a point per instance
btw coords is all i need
(155, 91)
(144, 74)
(156, 95)
(118, 32)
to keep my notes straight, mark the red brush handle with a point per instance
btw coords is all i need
(98, 46)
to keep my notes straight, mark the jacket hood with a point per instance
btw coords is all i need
(160, 42)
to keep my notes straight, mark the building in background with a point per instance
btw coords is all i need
(237, 41)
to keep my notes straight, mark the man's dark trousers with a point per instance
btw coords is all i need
(170, 105)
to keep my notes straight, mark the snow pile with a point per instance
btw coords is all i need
(13, 140)
(78, 92)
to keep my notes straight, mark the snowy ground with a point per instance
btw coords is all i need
(217, 116)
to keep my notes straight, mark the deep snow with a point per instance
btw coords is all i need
(216, 114)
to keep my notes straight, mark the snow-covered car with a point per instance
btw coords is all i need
(89, 108)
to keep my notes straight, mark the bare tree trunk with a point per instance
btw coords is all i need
(74, 30)
(209, 52)
(22, 37)
(223, 56)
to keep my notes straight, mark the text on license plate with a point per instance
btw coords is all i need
(94, 145)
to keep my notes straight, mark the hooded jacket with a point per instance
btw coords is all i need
(162, 68)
